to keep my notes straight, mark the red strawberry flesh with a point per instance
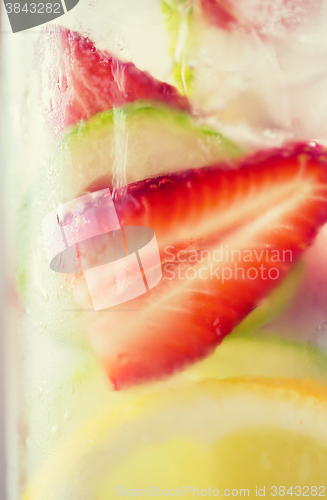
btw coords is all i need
(83, 81)
(265, 16)
(275, 201)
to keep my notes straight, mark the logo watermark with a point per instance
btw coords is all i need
(192, 491)
(118, 263)
(224, 263)
(121, 263)
(183, 491)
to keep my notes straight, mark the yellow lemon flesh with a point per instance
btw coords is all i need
(253, 435)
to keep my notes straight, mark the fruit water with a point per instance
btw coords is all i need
(166, 211)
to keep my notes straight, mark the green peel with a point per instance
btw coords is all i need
(273, 305)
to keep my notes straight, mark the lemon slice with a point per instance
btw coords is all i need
(233, 434)
(76, 390)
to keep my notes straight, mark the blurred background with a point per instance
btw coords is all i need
(2, 409)
(2, 451)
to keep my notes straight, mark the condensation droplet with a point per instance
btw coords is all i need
(62, 84)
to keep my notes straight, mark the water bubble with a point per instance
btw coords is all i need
(121, 43)
(62, 82)
(216, 325)
(67, 415)
(55, 431)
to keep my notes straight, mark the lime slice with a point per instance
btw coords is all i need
(227, 75)
(140, 140)
(262, 354)
(274, 304)
(241, 433)
(137, 141)
(179, 26)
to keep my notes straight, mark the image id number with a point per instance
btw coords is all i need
(298, 491)
(33, 8)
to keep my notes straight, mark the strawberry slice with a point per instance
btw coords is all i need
(78, 81)
(266, 16)
(219, 13)
(209, 202)
(227, 238)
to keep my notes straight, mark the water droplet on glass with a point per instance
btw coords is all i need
(67, 415)
(62, 82)
(54, 430)
(121, 43)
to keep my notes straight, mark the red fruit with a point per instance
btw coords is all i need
(211, 202)
(78, 81)
(266, 16)
(267, 211)
(220, 13)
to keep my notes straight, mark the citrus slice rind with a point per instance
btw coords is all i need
(72, 397)
(156, 139)
(262, 353)
(275, 303)
(203, 413)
